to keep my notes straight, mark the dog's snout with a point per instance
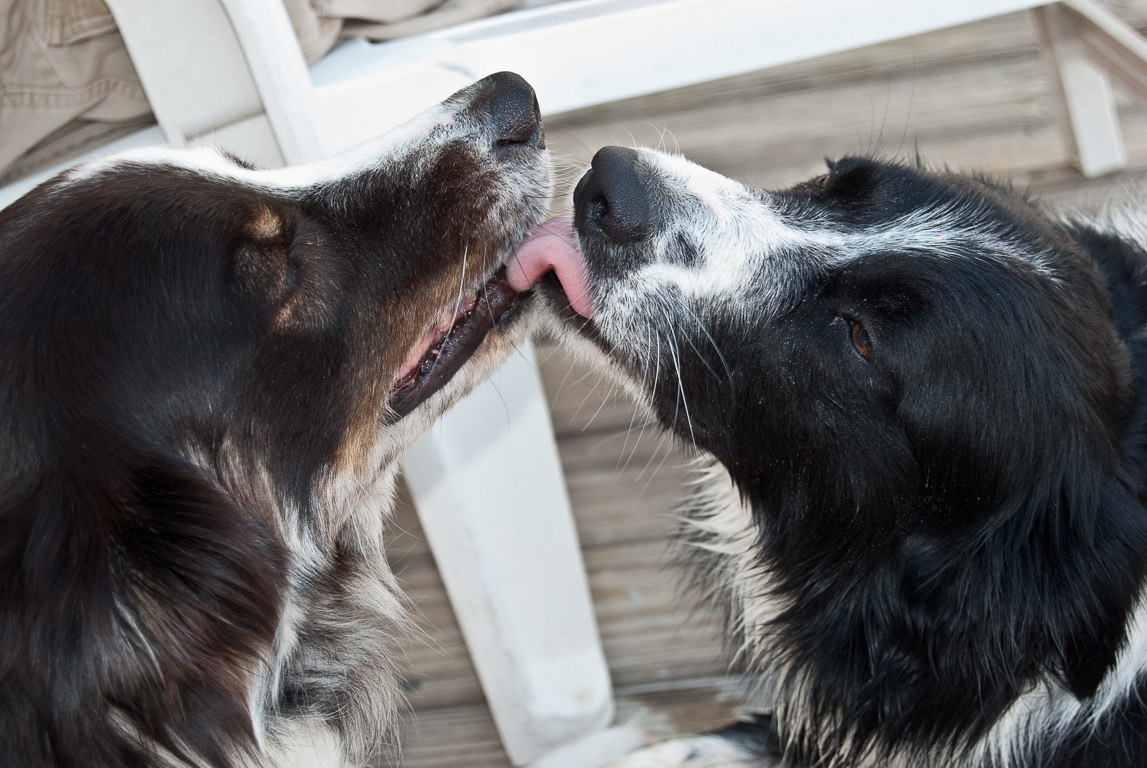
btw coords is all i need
(513, 109)
(614, 198)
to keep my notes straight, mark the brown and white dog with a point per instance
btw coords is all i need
(920, 402)
(209, 374)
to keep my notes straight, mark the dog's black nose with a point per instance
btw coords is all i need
(612, 197)
(514, 110)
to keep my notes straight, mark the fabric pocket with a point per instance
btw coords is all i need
(63, 22)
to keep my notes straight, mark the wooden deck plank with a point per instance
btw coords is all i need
(464, 735)
(649, 632)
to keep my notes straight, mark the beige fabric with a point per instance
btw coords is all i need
(66, 82)
(65, 78)
(387, 12)
(317, 32)
(443, 14)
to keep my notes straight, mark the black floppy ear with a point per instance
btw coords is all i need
(140, 600)
(1108, 558)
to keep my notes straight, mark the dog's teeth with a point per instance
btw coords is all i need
(444, 320)
(471, 298)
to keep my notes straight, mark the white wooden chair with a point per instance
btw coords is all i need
(487, 480)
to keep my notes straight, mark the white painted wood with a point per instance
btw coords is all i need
(252, 139)
(208, 64)
(1112, 44)
(280, 74)
(363, 89)
(190, 64)
(498, 521)
(1083, 94)
(586, 52)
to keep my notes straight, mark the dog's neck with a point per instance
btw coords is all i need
(902, 646)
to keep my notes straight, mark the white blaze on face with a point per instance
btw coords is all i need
(755, 252)
(715, 237)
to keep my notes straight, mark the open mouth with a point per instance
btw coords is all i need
(453, 340)
(548, 255)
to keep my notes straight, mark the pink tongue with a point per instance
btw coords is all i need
(552, 246)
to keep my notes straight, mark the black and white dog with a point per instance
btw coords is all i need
(920, 402)
(208, 375)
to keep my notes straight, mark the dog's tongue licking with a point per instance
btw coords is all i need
(552, 246)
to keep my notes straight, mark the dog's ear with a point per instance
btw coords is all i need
(1099, 578)
(1060, 569)
(138, 603)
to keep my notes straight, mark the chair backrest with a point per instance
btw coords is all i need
(231, 68)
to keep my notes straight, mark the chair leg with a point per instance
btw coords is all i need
(1111, 43)
(490, 493)
(1083, 93)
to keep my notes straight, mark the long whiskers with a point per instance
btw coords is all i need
(670, 328)
(682, 402)
(728, 378)
(650, 344)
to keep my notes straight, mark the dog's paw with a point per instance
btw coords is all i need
(712, 751)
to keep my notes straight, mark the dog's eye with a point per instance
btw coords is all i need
(822, 182)
(861, 341)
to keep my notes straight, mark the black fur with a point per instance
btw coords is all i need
(946, 520)
(196, 363)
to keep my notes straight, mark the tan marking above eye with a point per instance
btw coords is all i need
(264, 224)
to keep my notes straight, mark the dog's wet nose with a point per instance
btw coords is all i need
(613, 197)
(514, 112)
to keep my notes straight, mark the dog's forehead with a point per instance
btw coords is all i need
(764, 244)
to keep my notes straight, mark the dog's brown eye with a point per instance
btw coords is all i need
(860, 339)
(822, 182)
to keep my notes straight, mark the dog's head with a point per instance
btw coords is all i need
(208, 368)
(315, 315)
(911, 348)
(920, 387)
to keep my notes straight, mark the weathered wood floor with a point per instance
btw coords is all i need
(971, 98)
